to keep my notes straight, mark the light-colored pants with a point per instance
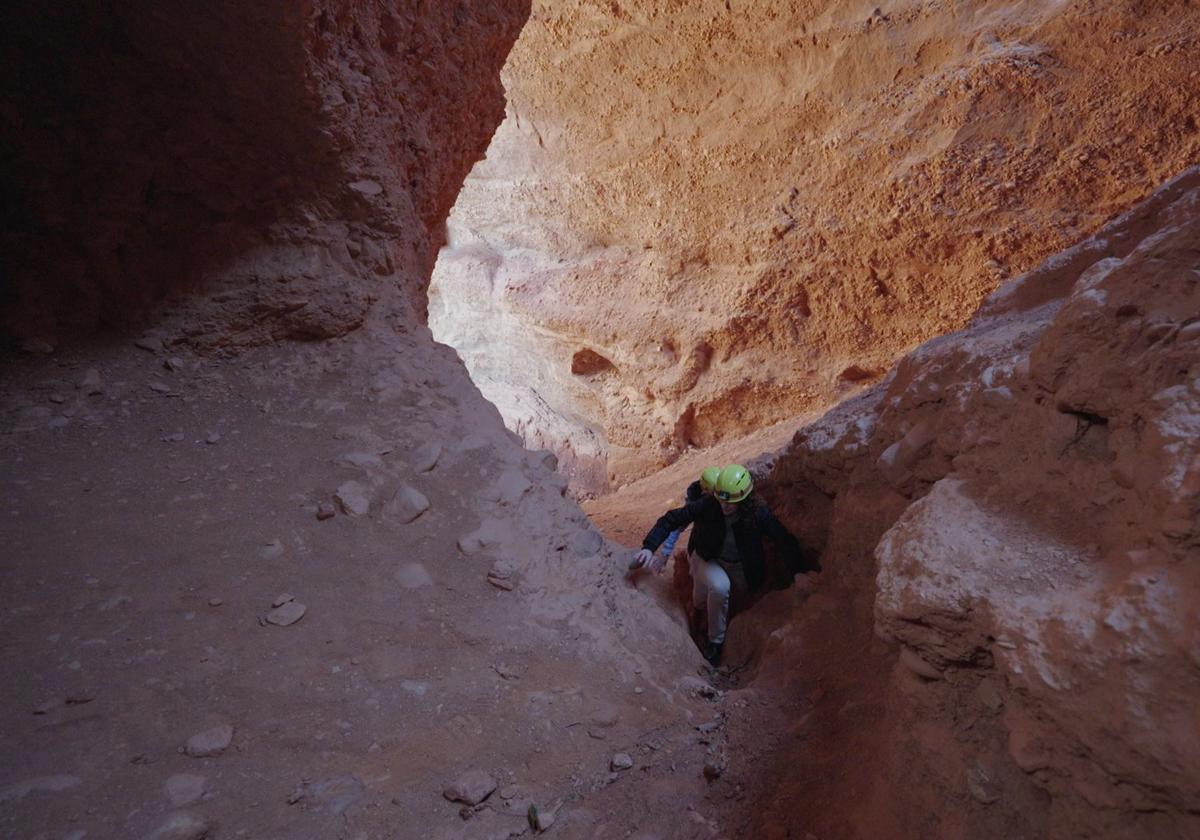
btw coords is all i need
(713, 583)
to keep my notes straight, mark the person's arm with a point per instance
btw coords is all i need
(692, 494)
(669, 543)
(672, 520)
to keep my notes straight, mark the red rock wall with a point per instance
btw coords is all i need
(258, 171)
(748, 208)
(1030, 490)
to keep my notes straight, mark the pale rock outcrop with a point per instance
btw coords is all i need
(1034, 485)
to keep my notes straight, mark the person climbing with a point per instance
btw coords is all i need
(704, 486)
(725, 550)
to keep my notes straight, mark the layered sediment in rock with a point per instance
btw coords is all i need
(739, 211)
(1031, 487)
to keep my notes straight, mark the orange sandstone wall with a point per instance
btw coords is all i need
(743, 209)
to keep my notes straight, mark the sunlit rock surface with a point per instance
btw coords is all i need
(747, 209)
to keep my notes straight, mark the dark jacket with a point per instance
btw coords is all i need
(753, 522)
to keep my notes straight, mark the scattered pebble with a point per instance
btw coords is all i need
(36, 345)
(91, 383)
(620, 761)
(506, 672)
(335, 795)
(47, 784)
(426, 457)
(413, 576)
(540, 819)
(981, 785)
(272, 550)
(215, 602)
(325, 511)
(149, 342)
(212, 438)
(408, 504)
(160, 388)
(354, 498)
(500, 575)
(182, 826)
(185, 788)
(173, 364)
(287, 614)
(282, 599)
(472, 787)
(57, 399)
(210, 742)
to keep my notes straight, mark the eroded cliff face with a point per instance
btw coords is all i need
(1018, 506)
(237, 175)
(699, 218)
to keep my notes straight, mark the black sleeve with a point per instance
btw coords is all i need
(694, 493)
(796, 559)
(670, 521)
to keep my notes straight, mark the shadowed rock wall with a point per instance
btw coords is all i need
(246, 171)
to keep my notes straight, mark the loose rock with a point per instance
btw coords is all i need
(335, 794)
(981, 785)
(919, 666)
(500, 575)
(48, 784)
(287, 614)
(185, 788)
(472, 787)
(621, 761)
(91, 383)
(182, 826)
(426, 457)
(408, 504)
(325, 511)
(413, 576)
(210, 742)
(354, 498)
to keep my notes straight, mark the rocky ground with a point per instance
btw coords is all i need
(222, 623)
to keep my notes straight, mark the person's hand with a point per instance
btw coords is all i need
(644, 559)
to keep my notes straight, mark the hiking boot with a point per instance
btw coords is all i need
(712, 653)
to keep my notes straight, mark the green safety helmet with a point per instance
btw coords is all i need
(708, 479)
(734, 483)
